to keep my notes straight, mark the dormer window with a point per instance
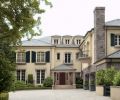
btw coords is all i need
(55, 41)
(78, 41)
(67, 41)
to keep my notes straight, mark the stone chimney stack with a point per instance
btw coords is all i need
(99, 33)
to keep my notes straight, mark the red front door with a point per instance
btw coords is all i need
(62, 79)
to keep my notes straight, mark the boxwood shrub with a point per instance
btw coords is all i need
(48, 82)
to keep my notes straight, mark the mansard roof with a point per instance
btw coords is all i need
(46, 41)
(115, 22)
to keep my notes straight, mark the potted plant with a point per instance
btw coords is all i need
(86, 85)
(99, 81)
(104, 79)
(115, 90)
(108, 80)
(92, 85)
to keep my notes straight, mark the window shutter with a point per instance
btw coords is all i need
(33, 56)
(48, 56)
(112, 39)
(27, 56)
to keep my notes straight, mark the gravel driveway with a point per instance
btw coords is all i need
(73, 94)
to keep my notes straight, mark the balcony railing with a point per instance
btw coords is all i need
(84, 54)
(68, 62)
(20, 61)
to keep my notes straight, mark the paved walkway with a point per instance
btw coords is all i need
(56, 95)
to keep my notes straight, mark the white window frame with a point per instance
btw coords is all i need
(67, 57)
(40, 75)
(117, 39)
(78, 41)
(21, 74)
(55, 41)
(67, 41)
(40, 58)
(21, 58)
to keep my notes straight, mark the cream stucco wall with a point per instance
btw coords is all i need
(32, 67)
(111, 49)
(62, 51)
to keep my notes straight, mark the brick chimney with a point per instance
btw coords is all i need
(99, 33)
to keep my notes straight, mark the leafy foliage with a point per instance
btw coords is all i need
(17, 19)
(79, 82)
(116, 80)
(7, 66)
(48, 82)
(100, 77)
(109, 76)
(22, 85)
(105, 77)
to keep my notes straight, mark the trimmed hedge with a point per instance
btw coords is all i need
(20, 85)
(4, 96)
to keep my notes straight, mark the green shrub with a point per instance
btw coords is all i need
(116, 80)
(20, 85)
(100, 77)
(109, 76)
(30, 78)
(79, 82)
(4, 96)
(48, 82)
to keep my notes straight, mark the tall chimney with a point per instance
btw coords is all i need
(99, 35)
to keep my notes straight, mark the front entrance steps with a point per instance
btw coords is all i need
(64, 87)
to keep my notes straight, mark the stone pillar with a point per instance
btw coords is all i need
(99, 33)
(74, 85)
(68, 78)
(52, 55)
(53, 80)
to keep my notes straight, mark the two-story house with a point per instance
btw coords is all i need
(53, 56)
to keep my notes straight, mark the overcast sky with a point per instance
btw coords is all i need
(75, 17)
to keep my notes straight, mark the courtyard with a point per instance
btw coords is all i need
(69, 94)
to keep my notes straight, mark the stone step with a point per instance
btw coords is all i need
(64, 87)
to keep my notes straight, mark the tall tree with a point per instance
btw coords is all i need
(7, 66)
(17, 19)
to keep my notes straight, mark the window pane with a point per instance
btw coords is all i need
(38, 76)
(23, 75)
(42, 56)
(18, 75)
(69, 58)
(66, 58)
(20, 57)
(58, 56)
(42, 75)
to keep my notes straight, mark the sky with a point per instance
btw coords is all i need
(75, 17)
